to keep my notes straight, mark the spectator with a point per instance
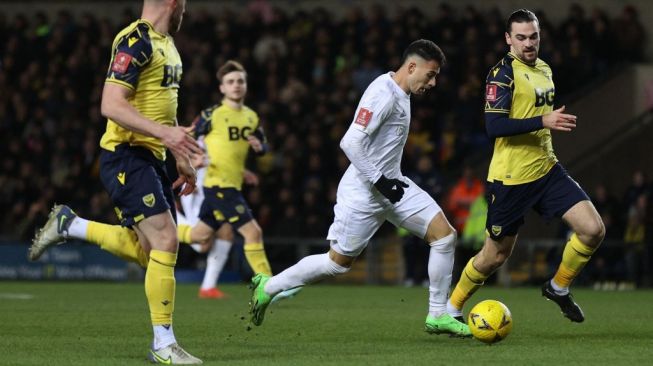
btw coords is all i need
(308, 69)
(461, 196)
(635, 249)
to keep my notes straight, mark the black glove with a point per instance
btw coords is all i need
(392, 189)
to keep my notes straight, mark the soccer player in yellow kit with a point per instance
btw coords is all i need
(230, 129)
(524, 172)
(140, 102)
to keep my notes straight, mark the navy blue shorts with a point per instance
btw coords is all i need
(137, 182)
(550, 196)
(224, 205)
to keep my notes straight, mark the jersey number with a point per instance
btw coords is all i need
(171, 75)
(543, 97)
(235, 133)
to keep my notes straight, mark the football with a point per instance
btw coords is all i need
(490, 321)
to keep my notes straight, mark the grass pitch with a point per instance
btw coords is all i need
(108, 324)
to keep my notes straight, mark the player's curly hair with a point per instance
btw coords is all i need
(521, 16)
(229, 66)
(425, 49)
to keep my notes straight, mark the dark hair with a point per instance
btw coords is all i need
(521, 16)
(425, 49)
(229, 66)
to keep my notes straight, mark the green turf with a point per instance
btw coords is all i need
(107, 324)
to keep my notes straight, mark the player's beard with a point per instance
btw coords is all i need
(533, 56)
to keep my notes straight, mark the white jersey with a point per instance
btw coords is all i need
(383, 114)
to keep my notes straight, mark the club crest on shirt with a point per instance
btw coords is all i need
(364, 117)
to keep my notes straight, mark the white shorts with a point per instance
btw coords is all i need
(353, 228)
(191, 205)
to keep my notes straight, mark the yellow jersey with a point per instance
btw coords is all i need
(519, 91)
(147, 62)
(226, 130)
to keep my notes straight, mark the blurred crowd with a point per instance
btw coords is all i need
(306, 72)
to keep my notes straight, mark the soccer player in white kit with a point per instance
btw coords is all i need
(373, 190)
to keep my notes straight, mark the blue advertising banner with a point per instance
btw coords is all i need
(68, 262)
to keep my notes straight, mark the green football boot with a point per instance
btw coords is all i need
(446, 324)
(260, 300)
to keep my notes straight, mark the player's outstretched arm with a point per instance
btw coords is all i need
(116, 107)
(558, 120)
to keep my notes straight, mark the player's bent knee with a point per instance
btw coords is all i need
(598, 231)
(446, 244)
(340, 259)
(499, 259)
(257, 234)
(202, 238)
(225, 233)
(252, 233)
(593, 233)
(334, 269)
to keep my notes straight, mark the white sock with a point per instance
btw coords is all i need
(307, 270)
(559, 290)
(77, 229)
(163, 336)
(440, 267)
(451, 310)
(215, 261)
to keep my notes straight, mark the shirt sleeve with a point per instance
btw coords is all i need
(498, 101)
(260, 134)
(203, 122)
(372, 111)
(355, 145)
(130, 55)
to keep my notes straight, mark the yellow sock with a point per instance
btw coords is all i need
(470, 280)
(117, 240)
(255, 254)
(160, 286)
(183, 232)
(574, 257)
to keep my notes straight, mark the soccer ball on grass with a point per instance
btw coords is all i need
(490, 321)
